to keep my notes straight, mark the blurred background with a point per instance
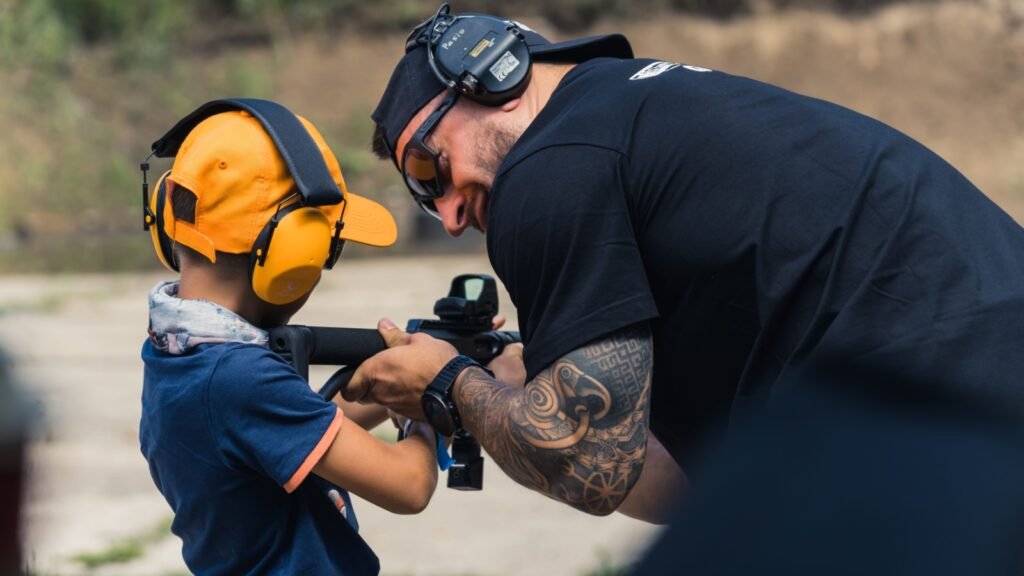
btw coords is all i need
(87, 85)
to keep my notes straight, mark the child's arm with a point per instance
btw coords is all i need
(398, 477)
(368, 416)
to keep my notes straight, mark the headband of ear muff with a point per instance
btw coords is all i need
(304, 240)
(294, 144)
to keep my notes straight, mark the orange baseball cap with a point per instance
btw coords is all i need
(233, 167)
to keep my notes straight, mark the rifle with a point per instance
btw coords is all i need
(465, 320)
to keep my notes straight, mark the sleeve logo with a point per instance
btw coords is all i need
(657, 68)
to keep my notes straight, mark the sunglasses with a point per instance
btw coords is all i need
(420, 166)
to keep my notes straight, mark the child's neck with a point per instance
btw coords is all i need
(233, 295)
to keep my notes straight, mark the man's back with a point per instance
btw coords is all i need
(769, 230)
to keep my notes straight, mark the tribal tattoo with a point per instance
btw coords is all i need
(578, 431)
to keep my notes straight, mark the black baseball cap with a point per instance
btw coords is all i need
(413, 83)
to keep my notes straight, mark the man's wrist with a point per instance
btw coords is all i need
(438, 399)
(468, 371)
(464, 376)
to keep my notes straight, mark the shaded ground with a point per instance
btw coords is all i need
(75, 343)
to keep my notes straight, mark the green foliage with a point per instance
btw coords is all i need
(242, 77)
(97, 20)
(116, 554)
(351, 143)
(32, 33)
(44, 33)
(86, 85)
(605, 566)
(46, 29)
(125, 550)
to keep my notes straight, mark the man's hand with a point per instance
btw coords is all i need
(397, 377)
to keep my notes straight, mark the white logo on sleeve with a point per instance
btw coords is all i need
(657, 68)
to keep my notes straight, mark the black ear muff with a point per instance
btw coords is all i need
(482, 57)
(290, 254)
(162, 242)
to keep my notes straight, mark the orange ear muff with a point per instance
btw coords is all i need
(290, 254)
(162, 243)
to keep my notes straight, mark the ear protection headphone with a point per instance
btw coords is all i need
(481, 57)
(298, 241)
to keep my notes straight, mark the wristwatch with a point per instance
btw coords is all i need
(437, 402)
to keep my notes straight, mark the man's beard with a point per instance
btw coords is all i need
(501, 139)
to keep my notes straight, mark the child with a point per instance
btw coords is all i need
(253, 462)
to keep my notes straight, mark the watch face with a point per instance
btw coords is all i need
(438, 415)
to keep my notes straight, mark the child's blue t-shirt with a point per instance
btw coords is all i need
(231, 433)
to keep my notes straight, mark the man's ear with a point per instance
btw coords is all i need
(511, 105)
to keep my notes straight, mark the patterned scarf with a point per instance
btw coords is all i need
(176, 326)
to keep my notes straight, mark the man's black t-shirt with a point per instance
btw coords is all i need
(759, 231)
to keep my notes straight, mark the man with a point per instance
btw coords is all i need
(678, 242)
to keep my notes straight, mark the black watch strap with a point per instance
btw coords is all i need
(440, 392)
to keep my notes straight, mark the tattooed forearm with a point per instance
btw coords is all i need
(578, 431)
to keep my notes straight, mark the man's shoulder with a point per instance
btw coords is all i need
(609, 104)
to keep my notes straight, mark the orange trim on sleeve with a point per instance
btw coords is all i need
(318, 451)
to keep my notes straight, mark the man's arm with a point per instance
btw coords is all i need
(577, 432)
(659, 489)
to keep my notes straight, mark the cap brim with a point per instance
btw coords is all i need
(367, 222)
(578, 50)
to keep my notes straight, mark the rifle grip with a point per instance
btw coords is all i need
(337, 382)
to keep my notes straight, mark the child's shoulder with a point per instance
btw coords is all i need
(223, 363)
(252, 385)
(249, 362)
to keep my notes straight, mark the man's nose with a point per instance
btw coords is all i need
(452, 208)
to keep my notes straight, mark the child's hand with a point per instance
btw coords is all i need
(508, 366)
(400, 422)
(409, 426)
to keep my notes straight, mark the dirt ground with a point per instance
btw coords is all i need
(75, 345)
